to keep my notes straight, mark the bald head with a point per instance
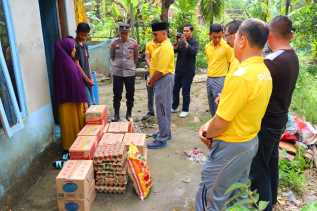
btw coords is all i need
(256, 32)
(282, 26)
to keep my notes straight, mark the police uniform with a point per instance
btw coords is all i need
(124, 56)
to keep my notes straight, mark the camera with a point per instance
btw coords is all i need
(179, 35)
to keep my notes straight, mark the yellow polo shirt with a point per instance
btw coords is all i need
(218, 58)
(163, 58)
(149, 49)
(234, 64)
(244, 99)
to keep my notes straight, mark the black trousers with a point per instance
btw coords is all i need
(129, 83)
(183, 82)
(264, 169)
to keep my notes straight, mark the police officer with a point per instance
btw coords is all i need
(124, 56)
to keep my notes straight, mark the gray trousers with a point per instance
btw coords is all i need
(227, 163)
(214, 88)
(150, 99)
(163, 90)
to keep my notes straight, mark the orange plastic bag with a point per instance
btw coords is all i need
(139, 172)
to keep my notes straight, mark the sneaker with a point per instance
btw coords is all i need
(147, 116)
(65, 156)
(156, 144)
(155, 135)
(174, 110)
(58, 164)
(183, 114)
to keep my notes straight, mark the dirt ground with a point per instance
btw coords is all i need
(175, 177)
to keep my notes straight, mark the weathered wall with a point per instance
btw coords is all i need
(18, 152)
(29, 38)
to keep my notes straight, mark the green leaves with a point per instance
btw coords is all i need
(310, 207)
(211, 9)
(243, 198)
(263, 205)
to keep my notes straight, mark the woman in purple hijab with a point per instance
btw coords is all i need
(69, 91)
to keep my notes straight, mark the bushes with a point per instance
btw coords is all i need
(304, 100)
(292, 172)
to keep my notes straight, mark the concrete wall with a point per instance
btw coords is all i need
(31, 51)
(18, 152)
(100, 57)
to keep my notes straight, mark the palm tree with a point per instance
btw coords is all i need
(211, 9)
(165, 5)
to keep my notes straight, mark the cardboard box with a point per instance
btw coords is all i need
(75, 179)
(96, 113)
(111, 139)
(66, 204)
(92, 130)
(138, 139)
(105, 130)
(83, 148)
(120, 127)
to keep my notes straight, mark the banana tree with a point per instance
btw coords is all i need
(211, 9)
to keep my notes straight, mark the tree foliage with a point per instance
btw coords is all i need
(211, 9)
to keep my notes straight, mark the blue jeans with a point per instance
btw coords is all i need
(227, 163)
(264, 169)
(214, 88)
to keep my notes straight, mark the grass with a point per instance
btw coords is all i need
(292, 172)
(304, 101)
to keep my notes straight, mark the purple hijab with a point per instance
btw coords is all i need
(69, 86)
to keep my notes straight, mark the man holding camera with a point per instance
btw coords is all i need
(186, 48)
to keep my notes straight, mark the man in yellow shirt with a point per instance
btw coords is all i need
(149, 49)
(231, 135)
(230, 32)
(162, 80)
(219, 55)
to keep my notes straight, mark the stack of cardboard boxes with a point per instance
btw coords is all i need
(101, 150)
(75, 183)
(75, 186)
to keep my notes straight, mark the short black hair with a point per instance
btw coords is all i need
(83, 27)
(216, 27)
(282, 25)
(256, 32)
(233, 26)
(190, 26)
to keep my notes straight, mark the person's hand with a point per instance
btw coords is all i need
(114, 45)
(203, 136)
(217, 100)
(91, 82)
(149, 83)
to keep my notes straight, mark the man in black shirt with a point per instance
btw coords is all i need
(284, 67)
(82, 58)
(186, 48)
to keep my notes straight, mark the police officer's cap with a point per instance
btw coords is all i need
(124, 27)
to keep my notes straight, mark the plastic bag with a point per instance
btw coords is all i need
(139, 172)
(307, 131)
